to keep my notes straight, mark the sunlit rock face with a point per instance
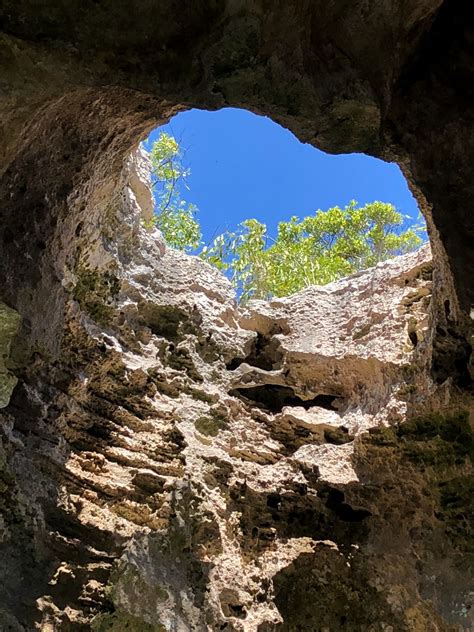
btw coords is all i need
(81, 83)
(168, 460)
(184, 463)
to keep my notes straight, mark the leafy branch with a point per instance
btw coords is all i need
(316, 249)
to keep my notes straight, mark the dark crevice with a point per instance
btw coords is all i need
(167, 321)
(237, 610)
(295, 513)
(273, 398)
(265, 354)
(413, 338)
(335, 501)
(447, 310)
(70, 527)
(451, 357)
(234, 364)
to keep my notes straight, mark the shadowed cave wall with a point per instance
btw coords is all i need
(386, 80)
(82, 82)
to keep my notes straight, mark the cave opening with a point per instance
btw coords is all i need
(274, 214)
(80, 85)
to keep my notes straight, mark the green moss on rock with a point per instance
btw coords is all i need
(168, 321)
(123, 622)
(435, 439)
(9, 326)
(202, 396)
(456, 511)
(207, 426)
(438, 440)
(210, 425)
(434, 450)
(382, 436)
(95, 292)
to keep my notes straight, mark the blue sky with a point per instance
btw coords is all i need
(244, 165)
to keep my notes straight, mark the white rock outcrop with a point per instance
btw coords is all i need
(226, 468)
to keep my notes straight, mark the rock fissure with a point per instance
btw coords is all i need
(275, 398)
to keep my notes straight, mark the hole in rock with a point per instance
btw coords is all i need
(265, 354)
(447, 309)
(167, 321)
(245, 195)
(230, 604)
(335, 500)
(413, 337)
(273, 398)
(274, 501)
(237, 611)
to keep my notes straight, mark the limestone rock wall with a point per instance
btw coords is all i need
(391, 79)
(9, 326)
(167, 460)
(182, 463)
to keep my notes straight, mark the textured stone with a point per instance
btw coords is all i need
(200, 466)
(167, 460)
(9, 326)
(385, 78)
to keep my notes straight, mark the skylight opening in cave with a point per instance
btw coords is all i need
(233, 166)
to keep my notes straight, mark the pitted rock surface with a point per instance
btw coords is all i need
(81, 83)
(184, 463)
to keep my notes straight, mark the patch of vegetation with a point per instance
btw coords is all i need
(430, 454)
(431, 440)
(314, 250)
(202, 396)
(438, 439)
(406, 390)
(122, 622)
(207, 426)
(174, 217)
(382, 436)
(457, 509)
(211, 425)
(95, 293)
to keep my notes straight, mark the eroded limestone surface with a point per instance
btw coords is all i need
(188, 464)
(81, 81)
(9, 326)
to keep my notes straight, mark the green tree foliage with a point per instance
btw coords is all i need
(315, 250)
(174, 217)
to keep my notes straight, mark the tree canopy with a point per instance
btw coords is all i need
(174, 217)
(314, 250)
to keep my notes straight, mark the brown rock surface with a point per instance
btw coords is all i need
(168, 461)
(82, 79)
(186, 464)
